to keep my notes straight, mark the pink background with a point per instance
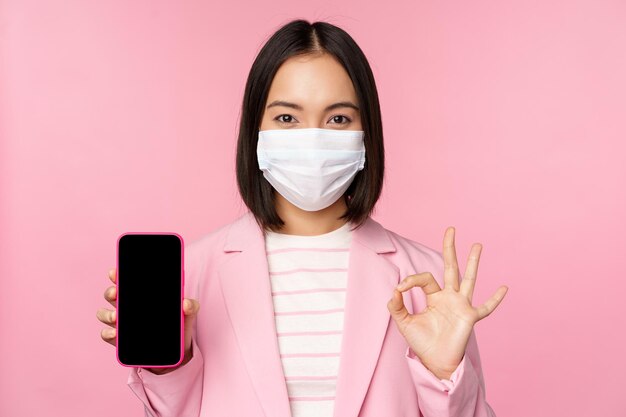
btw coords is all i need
(504, 119)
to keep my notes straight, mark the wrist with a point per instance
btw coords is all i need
(440, 373)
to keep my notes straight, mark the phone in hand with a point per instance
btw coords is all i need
(150, 289)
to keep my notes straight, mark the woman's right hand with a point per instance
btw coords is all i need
(109, 317)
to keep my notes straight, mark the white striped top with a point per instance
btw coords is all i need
(308, 277)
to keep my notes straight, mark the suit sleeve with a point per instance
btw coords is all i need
(463, 395)
(174, 394)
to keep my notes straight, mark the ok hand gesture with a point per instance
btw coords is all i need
(439, 334)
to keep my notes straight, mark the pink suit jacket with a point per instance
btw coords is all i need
(236, 368)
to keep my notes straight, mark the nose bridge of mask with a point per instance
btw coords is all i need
(312, 138)
(324, 146)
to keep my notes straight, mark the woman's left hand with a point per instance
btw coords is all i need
(439, 334)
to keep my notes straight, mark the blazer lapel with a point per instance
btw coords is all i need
(371, 280)
(247, 293)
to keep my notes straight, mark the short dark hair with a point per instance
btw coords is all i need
(300, 37)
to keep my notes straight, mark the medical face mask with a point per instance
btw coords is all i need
(310, 167)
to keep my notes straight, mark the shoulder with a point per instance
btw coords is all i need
(209, 241)
(202, 250)
(412, 255)
(201, 254)
(413, 246)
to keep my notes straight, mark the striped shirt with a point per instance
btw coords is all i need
(308, 277)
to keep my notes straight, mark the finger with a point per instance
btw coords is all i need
(450, 265)
(491, 304)
(108, 335)
(190, 306)
(110, 294)
(396, 306)
(107, 316)
(425, 280)
(469, 278)
(112, 274)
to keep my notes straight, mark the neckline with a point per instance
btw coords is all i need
(343, 229)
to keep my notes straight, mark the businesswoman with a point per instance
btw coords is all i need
(309, 306)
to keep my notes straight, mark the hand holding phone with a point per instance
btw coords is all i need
(108, 317)
(150, 279)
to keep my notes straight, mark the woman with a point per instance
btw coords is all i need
(299, 292)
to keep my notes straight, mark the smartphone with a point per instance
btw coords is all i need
(150, 288)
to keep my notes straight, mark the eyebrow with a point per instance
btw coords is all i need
(298, 107)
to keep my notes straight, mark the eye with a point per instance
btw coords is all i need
(339, 116)
(288, 116)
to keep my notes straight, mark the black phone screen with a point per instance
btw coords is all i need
(149, 299)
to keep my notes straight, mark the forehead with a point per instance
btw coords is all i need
(311, 80)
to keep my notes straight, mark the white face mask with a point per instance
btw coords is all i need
(310, 167)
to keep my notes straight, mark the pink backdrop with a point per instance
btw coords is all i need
(503, 119)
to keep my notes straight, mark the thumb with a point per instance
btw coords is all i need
(396, 306)
(190, 307)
